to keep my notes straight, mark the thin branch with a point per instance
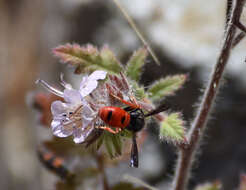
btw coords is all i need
(187, 154)
(240, 26)
(238, 39)
(135, 28)
(228, 11)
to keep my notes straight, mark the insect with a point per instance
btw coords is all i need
(131, 118)
(54, 163)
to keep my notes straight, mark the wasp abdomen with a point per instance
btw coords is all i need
(114, 116)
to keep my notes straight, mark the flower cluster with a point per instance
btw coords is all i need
(84, 113)
(74, 116)
(78, 114)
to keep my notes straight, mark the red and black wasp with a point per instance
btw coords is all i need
(131, 118)
(54, 163)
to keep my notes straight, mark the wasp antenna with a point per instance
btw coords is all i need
(134, 152)
(160, 108)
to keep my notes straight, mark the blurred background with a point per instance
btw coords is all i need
(186, 37)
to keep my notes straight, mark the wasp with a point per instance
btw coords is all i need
(54, 163)
(131, 118)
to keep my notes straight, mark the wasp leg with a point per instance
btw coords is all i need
(134, 152)
(134, 101)
(133, 105)
(117, 130)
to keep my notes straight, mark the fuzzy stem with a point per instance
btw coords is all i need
(187, 153)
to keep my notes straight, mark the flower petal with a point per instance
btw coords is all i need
(97, 75)
(88, 84)
(88, 88)
(58, 108)
(72, 96)
(88, 115)
(78, 135)
(59, 130)
(81, 134)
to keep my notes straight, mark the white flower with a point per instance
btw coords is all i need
(74, 116)
(89, 83)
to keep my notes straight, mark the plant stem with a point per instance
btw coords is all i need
(137, 31)
(238, 39)
(186, 156)
(100, 162)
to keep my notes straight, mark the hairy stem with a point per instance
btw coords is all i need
(187, 153)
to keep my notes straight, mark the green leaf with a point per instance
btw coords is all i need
(99, 143)
(125, 134)
(113, 144)
(172, 128)
(138, 91)
(109, 61)
(117, 144)
(166, 86)
(136, 63)
(88, 58)
(210, 186)
(109, 145)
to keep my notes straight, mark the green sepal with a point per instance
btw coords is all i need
(138, 90)
(172, 128)
(166, 86)
(136, 63)
(88, 58)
